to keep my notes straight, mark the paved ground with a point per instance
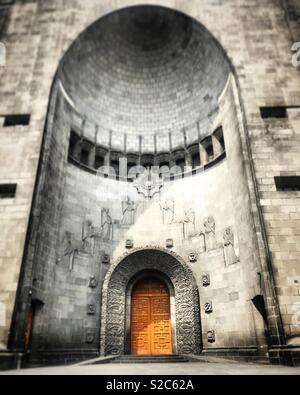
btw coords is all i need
(195, 368)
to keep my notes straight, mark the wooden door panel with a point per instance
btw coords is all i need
(162, 337)
(140, 333)
(151, 319)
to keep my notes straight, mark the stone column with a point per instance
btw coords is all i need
(217, 146)
(188, 161)
(203, 154)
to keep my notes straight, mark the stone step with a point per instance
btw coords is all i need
(150, 359)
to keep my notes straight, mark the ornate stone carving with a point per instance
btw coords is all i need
(193, 257)
(88, 241)
(168, 211)
(148, 184)
(206, 280)
(90, 337)
(86, 245)
(106, 225)
(208, 307)
(169, 243)
(210, 234)
(129, 244)
(91, 309)
(211, 336)
(93, 283)
(128, 210)
(229, 251)
(187, 308)
(69, 247)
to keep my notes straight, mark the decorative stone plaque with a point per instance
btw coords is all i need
(129, 244)
(106, 259)
(211, 336)
(169, 243)
(206, 280)
(91, 309)
(208, 308)
(93, 282)
(90, 337)
(193, 257)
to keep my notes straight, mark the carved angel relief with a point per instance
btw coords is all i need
(189, 224)
(106, 225)
(88, 234)
(210, 234)
(168, 211)
(229, 252)
(128, 210)
(69, 247)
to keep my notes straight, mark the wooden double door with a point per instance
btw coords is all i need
(151, 332)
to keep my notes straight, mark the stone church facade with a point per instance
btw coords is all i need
(149, 180)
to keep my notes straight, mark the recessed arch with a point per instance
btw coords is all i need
(116, 288)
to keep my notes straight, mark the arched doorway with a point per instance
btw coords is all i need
(151, 332)
(119, 287)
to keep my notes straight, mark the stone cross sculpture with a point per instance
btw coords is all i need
(229, 251)
(210, 234)
(148, 184)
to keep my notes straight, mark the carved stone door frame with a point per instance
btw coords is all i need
(115, 302)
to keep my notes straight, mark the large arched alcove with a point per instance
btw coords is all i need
(187, 331)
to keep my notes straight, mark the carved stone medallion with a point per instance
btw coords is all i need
(169, 243)
(206, 280)
(208, 307)
(93, 283)
(193, 258)
(106, 259)
(91, 309)
(90, 337)
(211, 336)
(129, 244)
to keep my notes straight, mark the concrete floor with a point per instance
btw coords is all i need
(170, 369)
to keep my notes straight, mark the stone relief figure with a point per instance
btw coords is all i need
(210, 234)
(128, 210)
(69, 248)
(88, 234)
(189, 224)
(229, 251)
(168, 211)
(106, 225)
